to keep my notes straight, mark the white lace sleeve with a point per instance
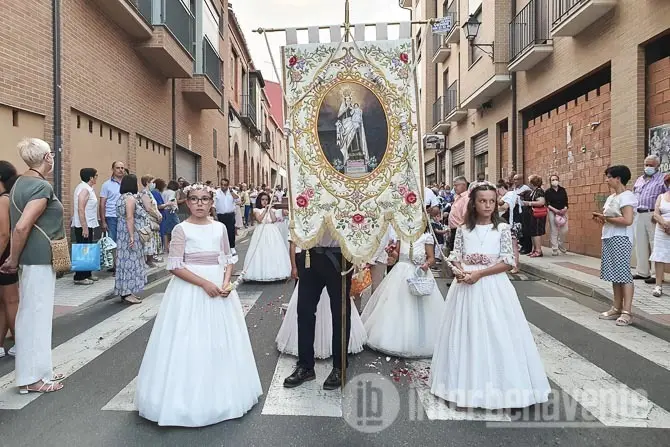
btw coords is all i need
(506, 248)
(456, 254)
(175, 259)
(225, 254)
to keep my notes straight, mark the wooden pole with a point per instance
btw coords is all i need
(344, 348)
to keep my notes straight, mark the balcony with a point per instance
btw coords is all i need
(446, 110)
(530, 39)
(494, 86)
(442, 49)
(266, 140)
(571, 17)
(170, 51)
(132, 16)
(454, 35)
(439, 123)
(204, 90)
(248, 115)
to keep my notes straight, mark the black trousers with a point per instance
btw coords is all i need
(228, 220)
(525, 218)
(322, 273)
(80, 239)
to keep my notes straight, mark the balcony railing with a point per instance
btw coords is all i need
(451, 99)
(266, 141)
(562, 8)
(249, 109)
(211, 64)
(438, 43)
(144, 7)
(529, 27)
(451, 11)
(180, 21)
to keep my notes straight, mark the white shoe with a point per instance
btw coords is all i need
(2, 352)
(12, 351)
(658, 291)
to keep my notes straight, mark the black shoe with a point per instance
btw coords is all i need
(300, 375)
(639, 277)
(650, 280)
(334, 380)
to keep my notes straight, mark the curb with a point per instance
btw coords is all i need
(586, 289)
(154, 275)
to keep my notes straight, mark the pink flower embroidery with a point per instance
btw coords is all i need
(404, 57)
(309, 192)
(358, 218)
(410, 198)
(402, 190)
(302, 201)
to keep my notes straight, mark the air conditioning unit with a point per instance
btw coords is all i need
(435, 141)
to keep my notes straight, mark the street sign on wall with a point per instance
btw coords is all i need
(442, 26)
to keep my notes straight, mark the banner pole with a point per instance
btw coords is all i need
(344, 346)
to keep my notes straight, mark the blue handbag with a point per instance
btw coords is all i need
(85, 257)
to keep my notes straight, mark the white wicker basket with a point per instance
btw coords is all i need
(420, 284)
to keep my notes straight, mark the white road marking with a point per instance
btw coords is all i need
(641, 343)
(125, 399)
(608, 400)
(308, 399)
(80, 350)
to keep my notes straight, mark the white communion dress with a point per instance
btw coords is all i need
(267, 258)
(397, 322)
(287, 337)
(485, 356)
(282, 224)
(198, 368)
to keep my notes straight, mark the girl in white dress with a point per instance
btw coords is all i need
(267, 259)
(397, 322)
(198, 368)
(282, 224)
(661, 253)
(287, 337)
(485, 354)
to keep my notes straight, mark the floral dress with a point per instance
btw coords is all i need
(131, 275)
(150, 247)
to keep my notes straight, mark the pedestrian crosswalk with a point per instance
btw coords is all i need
(601, 395)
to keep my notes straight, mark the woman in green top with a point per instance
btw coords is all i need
(33, 204)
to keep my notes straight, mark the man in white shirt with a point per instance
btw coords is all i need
(279, 194)
(429, 198)
(225, 202)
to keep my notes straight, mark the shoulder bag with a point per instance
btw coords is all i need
(60, 249)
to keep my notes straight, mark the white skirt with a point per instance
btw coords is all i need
(267, 258)
(287, 337)
(485, 355)
(399, 323)
(198, 368)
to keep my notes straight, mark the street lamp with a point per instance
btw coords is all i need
(471, 28)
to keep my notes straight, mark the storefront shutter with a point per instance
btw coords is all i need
(480, 144)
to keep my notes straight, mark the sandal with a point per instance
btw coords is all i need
(130, 299)
(58, 377)
(611, 314)
(624, 319)
(45, 387)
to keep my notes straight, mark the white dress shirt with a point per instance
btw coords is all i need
(224, 202)
(429, 197)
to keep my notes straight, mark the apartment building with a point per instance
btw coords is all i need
(257, 143)
(544, 87)
(139, 79)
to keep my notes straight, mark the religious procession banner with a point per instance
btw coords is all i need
(354, 157)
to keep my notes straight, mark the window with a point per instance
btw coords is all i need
(475, 53)
(214, 143)
(210, 24)
(482, 165)
(15, 118)
(458, 170)
(234, 62)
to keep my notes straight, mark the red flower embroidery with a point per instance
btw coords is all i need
(309, 192)
(410, 198)
(292, 61)
(404, 57)
(402, 190)
(358, 218)
(302, 201)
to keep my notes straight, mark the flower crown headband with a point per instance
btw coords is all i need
(198, 187)
(474, 185)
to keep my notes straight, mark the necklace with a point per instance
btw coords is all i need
(482, 240)
(38, 173)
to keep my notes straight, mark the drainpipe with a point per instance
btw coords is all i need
(514, 107)
(58, 125)
(174, 129)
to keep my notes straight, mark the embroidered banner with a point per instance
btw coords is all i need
(354, 161)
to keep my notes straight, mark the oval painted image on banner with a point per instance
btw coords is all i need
(353, 129)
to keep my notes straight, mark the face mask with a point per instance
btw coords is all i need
(152, 186)
(554, 183)
(649, 170)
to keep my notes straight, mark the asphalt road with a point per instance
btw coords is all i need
(102, 347)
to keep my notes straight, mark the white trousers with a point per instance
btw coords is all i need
(644, 243)
(558, 234)
(37, 289)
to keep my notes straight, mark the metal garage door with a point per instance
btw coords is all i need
(480, 144)
(187, 165)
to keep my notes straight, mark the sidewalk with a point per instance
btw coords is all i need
(70, 297)
(582, 274)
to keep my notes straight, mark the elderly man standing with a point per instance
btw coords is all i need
(647, 188)
(109, 195)
(458, 208)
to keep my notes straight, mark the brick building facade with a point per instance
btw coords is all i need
(506, 97)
